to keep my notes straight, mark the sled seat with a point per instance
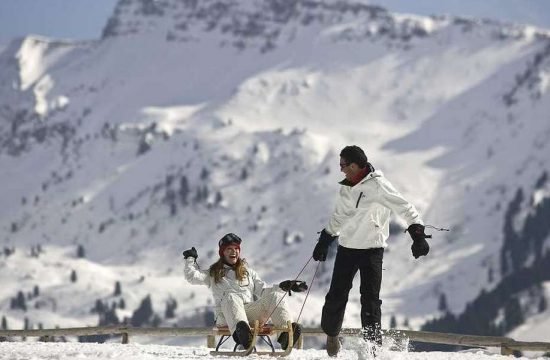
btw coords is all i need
(264, 333)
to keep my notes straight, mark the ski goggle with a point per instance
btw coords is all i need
(229, 239)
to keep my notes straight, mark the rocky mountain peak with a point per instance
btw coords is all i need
(258, 23)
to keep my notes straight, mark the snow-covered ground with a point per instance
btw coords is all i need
(72, 351)
(98, 138)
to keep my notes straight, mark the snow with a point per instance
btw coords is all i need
(61, 351)
(268, 126)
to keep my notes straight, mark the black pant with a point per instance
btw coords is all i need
(348, 261)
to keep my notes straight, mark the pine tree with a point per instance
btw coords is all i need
(169, 180)
(20, 302)
(8, 251)
(442, 303)
(170, 311)
(156, 321)
(393, 322)
(143, 314)
(218, 199)
(513, 314)
(118, 290)
(4, 323)
(109, 317)
(122, 304)
(99, 306)
(36, 291)
(204, 174)
(171, 199)
(543, 304)
(198, 196)
(73, 276)
(490, 275)
(184, 190)
(34, 252)
(144, 144)
(80, 252)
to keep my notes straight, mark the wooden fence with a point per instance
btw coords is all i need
(507, 345)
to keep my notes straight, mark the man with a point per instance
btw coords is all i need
(360, 221)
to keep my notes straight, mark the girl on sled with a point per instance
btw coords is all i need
(240, 296)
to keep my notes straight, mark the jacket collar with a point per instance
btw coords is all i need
(226, 266)
(372, 173)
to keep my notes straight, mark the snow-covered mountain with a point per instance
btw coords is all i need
(190, 119)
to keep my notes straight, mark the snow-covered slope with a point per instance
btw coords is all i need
(192, 119)
(64, 351)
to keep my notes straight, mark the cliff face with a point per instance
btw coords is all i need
(262, 25)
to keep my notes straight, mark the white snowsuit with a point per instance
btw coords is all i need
(247, 300)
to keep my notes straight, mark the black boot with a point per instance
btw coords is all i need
(333, 345)
(243, 334)
(373, 334)
(283, 338)
(371, 316)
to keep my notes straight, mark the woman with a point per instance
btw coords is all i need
(240, 295)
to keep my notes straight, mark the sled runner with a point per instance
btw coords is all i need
(264, 333)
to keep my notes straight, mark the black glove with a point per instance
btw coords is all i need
(420, 246)
(191, 253)
(321, 249)
(293, 285)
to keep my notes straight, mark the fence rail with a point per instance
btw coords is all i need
(506, 344)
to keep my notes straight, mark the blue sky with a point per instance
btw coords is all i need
(536, 12)
(84, 19)
(73, 19)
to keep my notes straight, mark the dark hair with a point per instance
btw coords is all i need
(354, 154)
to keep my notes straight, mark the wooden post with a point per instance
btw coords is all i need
(505, 350)
(300, 343)
(211, 341)
(125, 338)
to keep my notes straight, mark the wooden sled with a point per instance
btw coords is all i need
(265, 332)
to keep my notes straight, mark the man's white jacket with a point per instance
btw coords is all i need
(361, 218)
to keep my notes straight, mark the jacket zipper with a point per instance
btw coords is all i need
(358, 200)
